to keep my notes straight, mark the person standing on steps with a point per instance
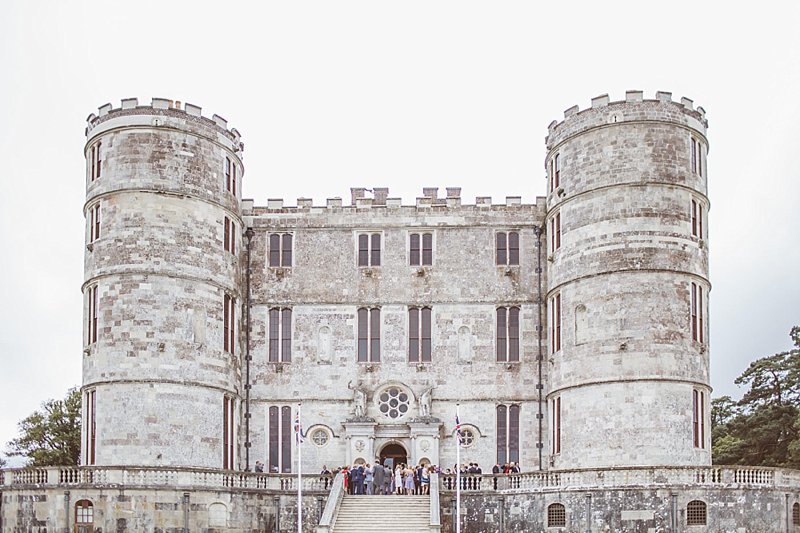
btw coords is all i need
(378, 475)
(369, 479)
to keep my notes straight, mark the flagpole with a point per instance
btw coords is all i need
(299, 439)
(458, 473)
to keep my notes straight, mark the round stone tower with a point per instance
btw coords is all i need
(628, 284)
(161, 372)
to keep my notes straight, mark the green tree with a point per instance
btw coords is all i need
(763, 428)
(51, 436)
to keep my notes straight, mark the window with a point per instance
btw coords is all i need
(228, 445)
(555, 323)
(555, 232)
(280, 335)
(796, 514)
(699, 418)
(369, 249)
(419, 334)
(507, 334)
(696, 513)
(555, 425)
(229, 322)
(94, 222)
(697, 313)
(229, 237)
(84, 516)
(556, 515)
(280, 431)
(421, 249)
(230, 176)
(369, 335)
(555, 172)
(508, 434)
(91, 330)
(280, 249)
(697, 219)
(320, 437)
(394, 402)
(97, 161)
(507, 248)
(467, 437)
(697, 157)
(90, 428)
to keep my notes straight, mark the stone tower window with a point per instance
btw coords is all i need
(696, 513)
(94, 222)
(280, 335)
(697, 157)
(228, 442)
(230, 176)
(796, 514)
(556, 515)
(698, 418)
(419, 334)
(507, 433)
(555, 323)
(90, 428)
(369, 335)
(84, 516)
(229, 235)
(97, 161)
(228, 323)
(697, 219)
(507, 345)
(91, 329)
(394, 402)
(555, 232)
(280, 249)
(555, 425)
(421, 249)
(507, 248)
(697, 313)
(555, 172)
(369, 249)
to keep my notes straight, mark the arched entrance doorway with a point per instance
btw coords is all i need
(393, 454)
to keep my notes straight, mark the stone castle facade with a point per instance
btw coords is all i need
(571, 332)
(570, 335)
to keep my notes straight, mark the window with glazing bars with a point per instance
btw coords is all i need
(507, 248)
(556, 515)
(229, 323)
(508, 433)
(555, 172)
(91, 331)
(280, 249)
(697, 313)
(90, 428)
(555, 232)
(280, 335)
(421, 249)
(369, 335)
(555, 323)
(94, 222)
(507, 334)
(696, 513)
(229, 235)
(97, 161)
(697, 157)
(555, 423)
(228, 443)
(279, 439)
(419, 334)
(230, 176)
(369, 249)
(697, 219)
(698, 418)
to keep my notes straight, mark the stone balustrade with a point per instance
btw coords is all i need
(711, 476)
(150, 477)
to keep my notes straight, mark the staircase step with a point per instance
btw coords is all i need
(383, 514)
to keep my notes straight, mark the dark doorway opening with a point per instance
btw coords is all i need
(392, 455)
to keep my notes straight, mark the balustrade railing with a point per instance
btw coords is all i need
(529, 481)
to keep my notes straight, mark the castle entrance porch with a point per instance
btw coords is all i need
(393, 454)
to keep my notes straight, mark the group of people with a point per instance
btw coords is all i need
(381, 479)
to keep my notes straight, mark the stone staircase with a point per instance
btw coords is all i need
(375, 514)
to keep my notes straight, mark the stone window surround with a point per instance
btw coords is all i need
(421, 260)
(372, 256)
(511, 336)
(556, 515)
(96, 159)
(511, 254)
(696, 513)
(280, 254)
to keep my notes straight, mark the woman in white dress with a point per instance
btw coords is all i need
(398, 478)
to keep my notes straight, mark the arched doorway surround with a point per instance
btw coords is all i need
(393, 454)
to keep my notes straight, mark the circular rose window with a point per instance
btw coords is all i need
(393, 402)
(320, 437)
(467, 437)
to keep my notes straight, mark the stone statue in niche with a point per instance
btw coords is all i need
(359, 401)
(425, 400)
(324, 345)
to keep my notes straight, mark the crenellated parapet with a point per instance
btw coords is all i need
(634, 108)
(166, 108)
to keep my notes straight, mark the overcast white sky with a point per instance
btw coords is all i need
(334, 94)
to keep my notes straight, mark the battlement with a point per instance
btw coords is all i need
(378, 197)
(162, 106)
(634, 107)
